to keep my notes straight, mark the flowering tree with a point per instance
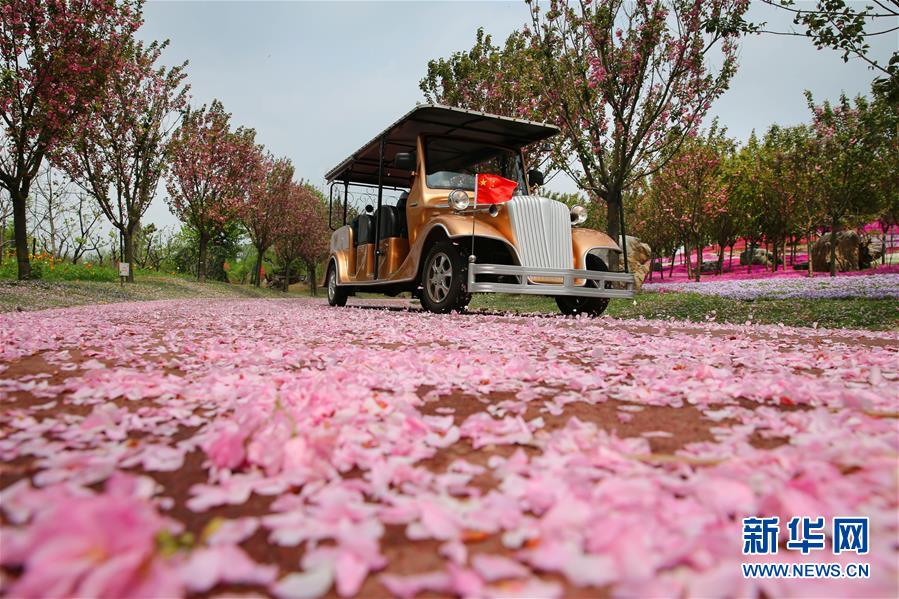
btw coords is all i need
(887, 179)
(790, 203)
(651, 224)
(263, 214)
(212, 171)
(628, 83)
(121, 154)
(305, 234)
(489, 78)
(742, 173)
(56, 57)
(692, 190)
(849, 152)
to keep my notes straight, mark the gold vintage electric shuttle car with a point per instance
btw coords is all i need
(436, 243)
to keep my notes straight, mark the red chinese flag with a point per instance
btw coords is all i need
(493, 189)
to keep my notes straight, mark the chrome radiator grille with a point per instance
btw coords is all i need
(542, 230)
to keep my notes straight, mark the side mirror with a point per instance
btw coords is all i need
(369, 209)
(404, 161)
(535, 177)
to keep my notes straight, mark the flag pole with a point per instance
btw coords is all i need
(474, 213)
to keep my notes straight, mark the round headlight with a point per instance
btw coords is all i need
(458, 199)
(578, 215)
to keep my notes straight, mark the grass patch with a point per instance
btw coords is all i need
(858, 313)
(43, 294)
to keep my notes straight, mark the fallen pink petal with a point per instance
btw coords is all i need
(312, 480)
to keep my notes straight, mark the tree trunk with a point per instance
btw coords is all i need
(128, 241)
(687, 261)
(256, 278)
(3, 239)
(750, 255)
(20, 223)
(613, 214)
(721, 260)
(698, 259)
(730, 259)
(808, 251)
(310, 272)
(201, 262)
(833, 249)
(673, 258)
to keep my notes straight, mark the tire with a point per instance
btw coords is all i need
(591, 306)
(443, 280)
(337, 295)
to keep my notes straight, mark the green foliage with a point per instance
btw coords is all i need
(48, 268)
(596, 214)
(223, 248)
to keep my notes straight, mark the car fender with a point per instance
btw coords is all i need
(584, 240)
(341, 251)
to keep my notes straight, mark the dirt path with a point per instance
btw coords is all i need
(368, 451)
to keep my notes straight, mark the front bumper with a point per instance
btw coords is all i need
(624, 282)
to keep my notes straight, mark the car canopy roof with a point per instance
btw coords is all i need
(433, 119)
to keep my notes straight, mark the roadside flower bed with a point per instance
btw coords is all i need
(210, 448)
(877, 286)
(47, 267)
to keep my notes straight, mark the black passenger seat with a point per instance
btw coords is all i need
(389, 223)
(363, 229)
(402, 228)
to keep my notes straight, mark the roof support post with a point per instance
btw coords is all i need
(378, 209)
(346, 193)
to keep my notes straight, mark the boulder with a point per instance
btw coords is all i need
(871, 251)
(709, 266)
(760, 257)
(848, 252)
(638, 254)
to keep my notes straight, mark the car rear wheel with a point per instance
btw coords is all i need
(443, 288)
(591, 306)
(337, 295)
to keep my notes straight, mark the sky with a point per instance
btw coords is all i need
(318, 79)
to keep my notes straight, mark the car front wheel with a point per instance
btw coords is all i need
(443, 288)
(591, 306)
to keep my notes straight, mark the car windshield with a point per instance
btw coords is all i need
(453, 164)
